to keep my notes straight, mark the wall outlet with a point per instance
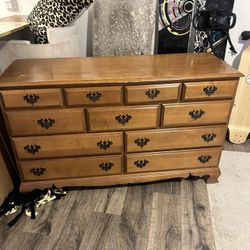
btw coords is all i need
(11, 5)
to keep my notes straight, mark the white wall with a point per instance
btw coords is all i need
(242, 11)
(24, 8)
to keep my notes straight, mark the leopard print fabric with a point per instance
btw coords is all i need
(54, 13)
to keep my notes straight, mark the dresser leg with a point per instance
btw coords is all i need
(214, 176)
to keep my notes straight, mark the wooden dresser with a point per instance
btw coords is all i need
(117, 120)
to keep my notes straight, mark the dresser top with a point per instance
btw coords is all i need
(115, 70)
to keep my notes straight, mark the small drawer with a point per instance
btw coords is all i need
(68, 145)
(32, 98)
(41, 122)
(196, 113)
(152, 93)
(209, 90)
(173, 160)
(71, 167)
(93, 96)
(180, 138)
(123, 118)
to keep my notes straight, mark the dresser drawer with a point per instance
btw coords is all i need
(173, 160)
(71, 167)
(68, 145)
(152, 93)
(40, 122)
(121, 118)
(209, 90)
(32, 98)
(155, 140)
(199, 113)
(94, 96)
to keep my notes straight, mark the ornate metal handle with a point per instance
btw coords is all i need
(196, 114)
(141, 142)
(46, 123)
(210, 90)
(123, 119)
(38, 171)
(204, 158)
(94, 96)
(141, 163)
(32, 149)
(208, 137)
(104, 144)
(31, 98)
(106, 165)
(152, 93)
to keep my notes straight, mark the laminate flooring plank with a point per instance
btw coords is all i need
(77, 221)
(165, 223)
(197, 231)
(134, 226)
(101, 233)
(244, 147)
(111, 201)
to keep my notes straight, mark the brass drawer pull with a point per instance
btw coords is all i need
(141, 142)
(204, 158)
(46, 123)
(31, 98)
(94, 96)
(106, 165)
(152, 93)
(196, 114)
(38, 171)
(210, 90)
(32, 149)
(208, 137)
(104, 144)
(123, 119)
(141, 163)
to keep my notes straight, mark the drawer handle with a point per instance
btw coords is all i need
(204, 158)
(104, 144)
(123, 119)
(141, 142)
(141, 163)
(210, 90)
(106, 165)
(94, 96)
(196, 114)
(32, 149)
(208, 137)
(31, 98)
(38, 171)
(46, 123)
(152, 93)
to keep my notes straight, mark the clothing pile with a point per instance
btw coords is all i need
(27, 203)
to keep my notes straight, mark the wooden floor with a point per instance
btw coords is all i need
(244, 147)
(165, 215)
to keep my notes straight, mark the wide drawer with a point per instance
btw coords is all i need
(71, 167)
(197, 113)
(209, 90)
(152, 93)
(173, 160)
(39, 122)
(68, 145)
(32, 98)
(166, 139)
(93, 96)
(122, 118)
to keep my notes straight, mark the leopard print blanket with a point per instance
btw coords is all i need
(53, 13)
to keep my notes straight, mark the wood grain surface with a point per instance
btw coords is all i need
(158, 216)
(122, 69)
